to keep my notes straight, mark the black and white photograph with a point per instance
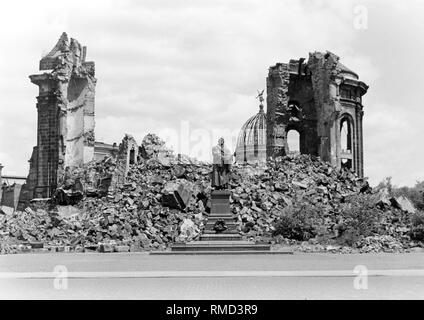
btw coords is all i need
(225, 152)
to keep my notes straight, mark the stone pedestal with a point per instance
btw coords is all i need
(220, 210)
(220, 201)
(228, 240)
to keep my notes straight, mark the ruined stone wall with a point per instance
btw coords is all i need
(1, 184)
(31, 180)
(313, 98)
(304, 119)
(359, 117)
(65, 113)
(277, 98)
(47, 141)
(11, 195)
(290, 105)
(27, 191)
(127, 155)
(324, 72)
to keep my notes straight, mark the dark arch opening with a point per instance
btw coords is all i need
(347, 163)
(132, 156)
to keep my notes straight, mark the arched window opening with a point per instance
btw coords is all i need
(346, 143)
(293, 141)
(346, 136)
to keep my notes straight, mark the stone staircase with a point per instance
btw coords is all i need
(228, 240)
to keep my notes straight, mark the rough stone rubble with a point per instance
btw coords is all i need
(159, 199)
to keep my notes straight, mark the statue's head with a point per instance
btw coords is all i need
(221, 141)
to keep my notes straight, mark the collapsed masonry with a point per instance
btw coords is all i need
(322, 101)
(65, 107)
(295, 200)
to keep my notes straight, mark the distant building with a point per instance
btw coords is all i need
(11, 190)
(102, 150)
(251, 142)
(10, 180)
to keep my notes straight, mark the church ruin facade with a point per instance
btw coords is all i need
(65, 124)
(321, 99)
(65, 105)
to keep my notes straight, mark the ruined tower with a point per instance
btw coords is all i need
(321, 100)
(65, 105)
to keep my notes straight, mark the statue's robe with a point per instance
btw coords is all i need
(222, 160)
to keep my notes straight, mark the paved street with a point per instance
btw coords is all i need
(142, 276)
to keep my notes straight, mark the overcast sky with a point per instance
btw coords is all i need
(196, 65)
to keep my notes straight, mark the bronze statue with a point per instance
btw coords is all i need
(222, 160)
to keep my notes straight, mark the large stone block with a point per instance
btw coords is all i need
(177, 194)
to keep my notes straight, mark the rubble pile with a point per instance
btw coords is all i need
(261, 195)
(296, 200)
(306, 200)
(29, 226)
(153, 147)
(92, 180)
(157, 204)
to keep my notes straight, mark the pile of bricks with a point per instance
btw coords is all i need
(160, 203)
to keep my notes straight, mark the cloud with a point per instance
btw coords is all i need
(161, 64)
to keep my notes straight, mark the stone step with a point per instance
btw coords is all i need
(225, 218)
(220, 237)
(228, 218)
(212, 231)
(222, 242)
(221, 252)
(228, 231)
(221, 214)
(219, 209)
(220, 246)
(230, 226)
(228, 222)
(227, 237)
